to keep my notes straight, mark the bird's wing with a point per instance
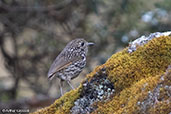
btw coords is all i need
(58, 64)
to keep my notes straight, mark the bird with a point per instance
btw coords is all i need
(70, 62)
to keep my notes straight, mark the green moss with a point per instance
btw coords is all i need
(124, 69)
(61, 105)
(162, 106)
(136, 98)
(134, 75)
(126, 101)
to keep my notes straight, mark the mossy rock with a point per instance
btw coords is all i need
(131, 81)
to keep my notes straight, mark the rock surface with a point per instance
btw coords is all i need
(135, 80)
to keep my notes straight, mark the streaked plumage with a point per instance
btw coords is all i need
(70, 62)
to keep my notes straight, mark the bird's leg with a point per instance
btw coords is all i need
(69, 82)
(60, 86)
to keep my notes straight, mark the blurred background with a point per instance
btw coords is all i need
(33, 32)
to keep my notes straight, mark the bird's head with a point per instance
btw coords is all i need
(81, 45)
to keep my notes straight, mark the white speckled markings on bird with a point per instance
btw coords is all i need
(70, 62)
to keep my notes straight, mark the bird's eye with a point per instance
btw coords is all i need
(82, 44)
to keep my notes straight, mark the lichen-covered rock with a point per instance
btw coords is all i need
(135, 80)
(99, 88)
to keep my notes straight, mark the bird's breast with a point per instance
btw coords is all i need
(72, 70)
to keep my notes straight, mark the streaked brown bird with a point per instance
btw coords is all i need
(70, 62)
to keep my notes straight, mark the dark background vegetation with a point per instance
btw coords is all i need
(33, 32)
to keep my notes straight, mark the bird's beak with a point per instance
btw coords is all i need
(90, 44)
